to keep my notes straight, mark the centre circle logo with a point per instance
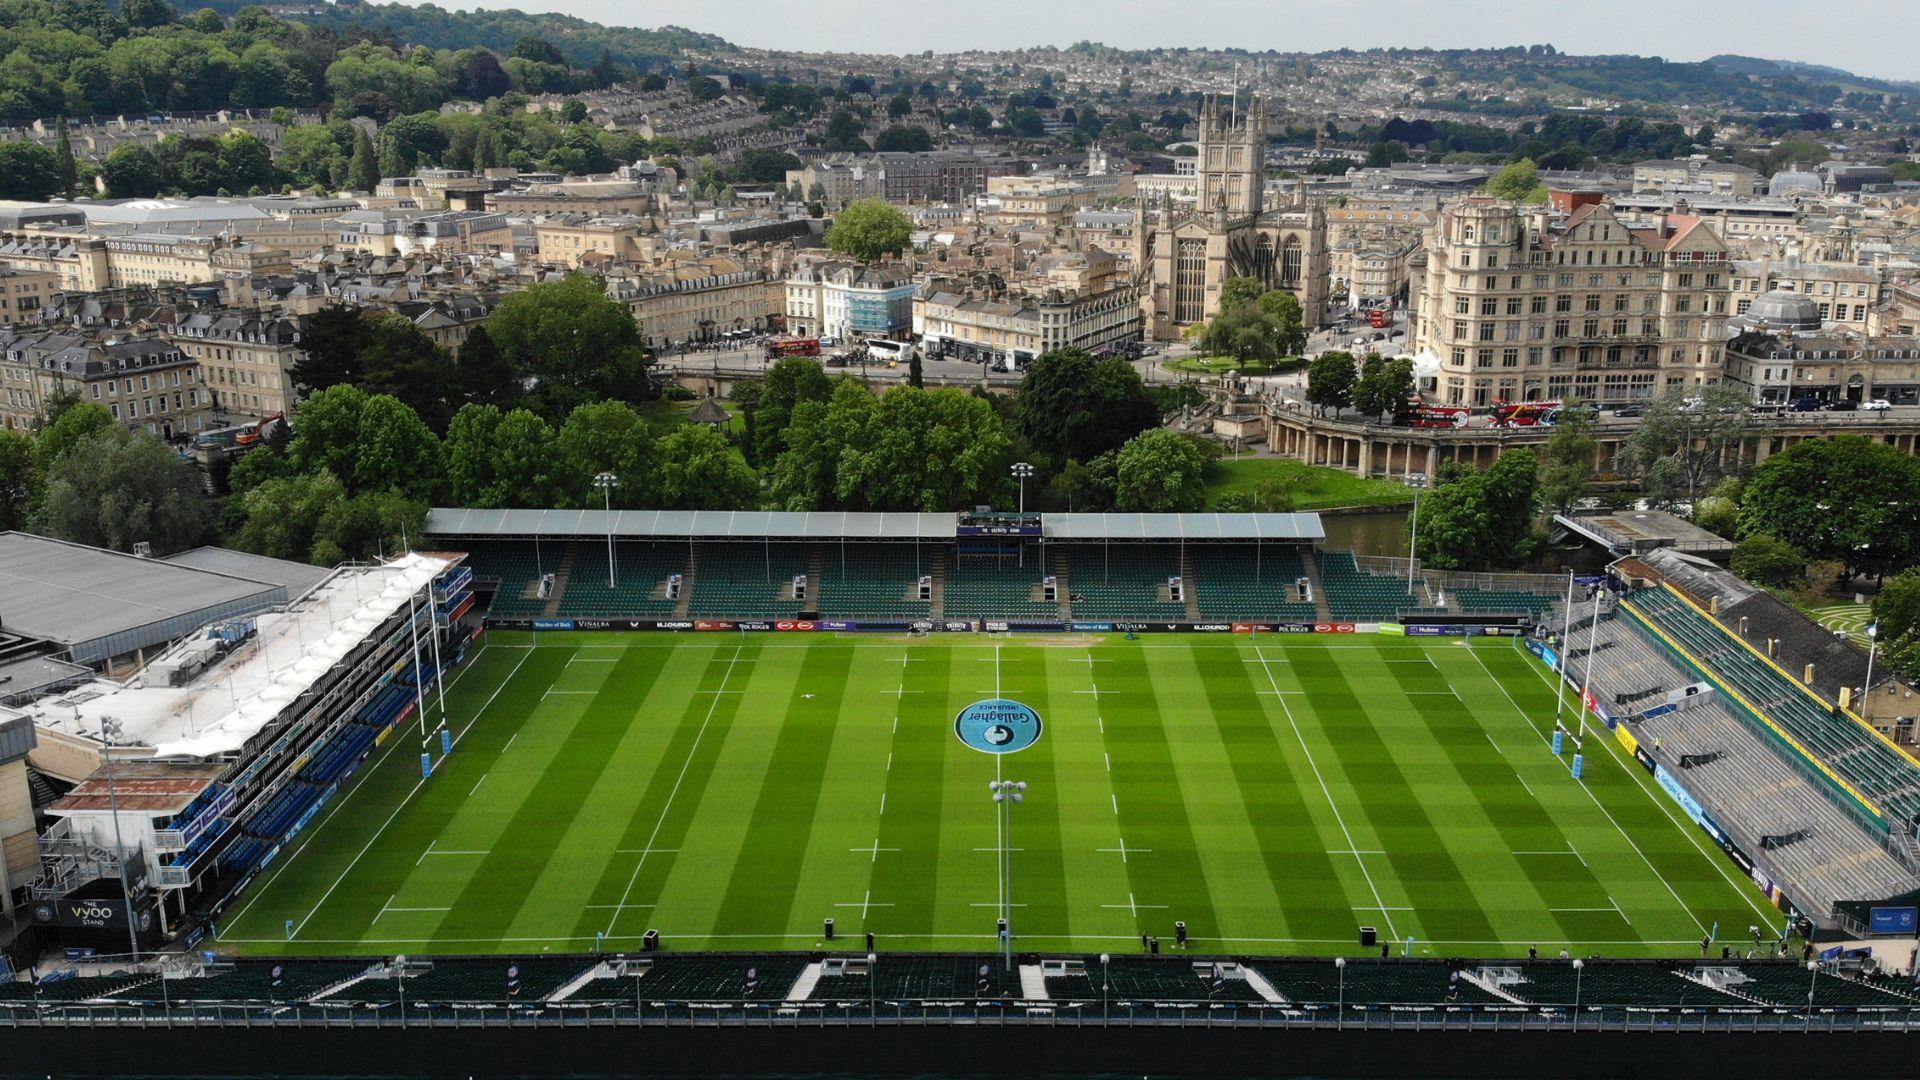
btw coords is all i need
(998, 726)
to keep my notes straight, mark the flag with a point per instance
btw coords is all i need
(513, 980)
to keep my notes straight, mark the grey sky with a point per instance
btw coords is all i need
(1872, 37)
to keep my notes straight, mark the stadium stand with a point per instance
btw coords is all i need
(1233, 581)
(1883, 773)
(988, 587)
(1400, 982)
(487, 982)
(698, 978)
(81, 988)
(748, 581)
(1750, 786)
(1502, 601)
(1557, 982)
(875, 581)
(1123, 581)
(1353, 593)
(640, 580)
(1787, 983)
(515, 566)
(1137, 978)
(921, 978)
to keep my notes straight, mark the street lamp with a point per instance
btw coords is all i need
(1022, 470)
(1578, 965)
(1340, 1017)
(1413, 527)
(1106, 984)
(1813, 979)
(873, 1011)
(606, 482)
(110, 729)
(1006, 793)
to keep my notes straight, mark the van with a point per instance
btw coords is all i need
(1804, 404)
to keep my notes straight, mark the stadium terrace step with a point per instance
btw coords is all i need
(1033, 985)
(557, 599)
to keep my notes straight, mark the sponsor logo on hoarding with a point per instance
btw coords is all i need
(712, 624)
(678, 624)
(1893, 920)
(1680, 794)
(839, 624)
(994, 627)
(794, 624)
(1092, 627)
(997, 726)
(1213, 627)
(955, 626)
(742, 624)
(553, 624)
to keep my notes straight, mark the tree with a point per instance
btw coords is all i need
(63, 157)
(483, 373)
(1896, 611)
(1160, 471)
(1242, 332)
(1768, 560)
(898, 106)
(330, 343)
(69, 422)
(115, 489)
(700, 470)
(790, 381)
(573, 342)
(398, 358)
(1283, 310)
(1240, 292)
(868, 229)
(1846, 498)
(19, 478)
(1479, 520)
(903, 137)
(394, 450)
(1684, 441)
(363, 167)
(1330, 380)
(924, 450)
(1567, 467)
(605, 436)
(1072, 407)
(28, 171)
(133, 171)
(471, 475)
(1518, 182)
(1385, 387)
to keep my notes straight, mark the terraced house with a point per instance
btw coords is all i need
(147, 383)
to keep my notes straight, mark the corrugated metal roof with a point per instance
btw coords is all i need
(71, 593)
(763, 524)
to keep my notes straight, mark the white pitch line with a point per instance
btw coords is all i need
(627, 893)
(1116, 801)
(418, 784)
(1328, 793)
(442, 851)
(1608, 814)
(476, 784)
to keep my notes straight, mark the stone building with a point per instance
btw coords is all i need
(1183, 254)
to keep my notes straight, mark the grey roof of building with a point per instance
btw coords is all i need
(759, 524)
(297, 578)
(102, 603)
(25, 678)
(1183, 527)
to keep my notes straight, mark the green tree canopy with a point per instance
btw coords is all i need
(115, 489)
(605, 436)
(1330, 381)
(868, 229)
(789, 381)
(1518, 182)
(700, 470)
(1072, 407)
(574, 342)
(1847, 498)
(1384, 387)
(1160, 472)
(1768, 560)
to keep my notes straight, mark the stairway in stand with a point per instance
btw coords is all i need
(937, 609)
(686, 583)
(816, 565)
(560, 577)
(1062, 584)
(1312, 564)
(1189, 586)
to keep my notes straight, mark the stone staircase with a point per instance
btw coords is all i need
(686, 583)
(1189, 588)
(1063, 585)
(1321, 610)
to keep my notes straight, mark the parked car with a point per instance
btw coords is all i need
(1878, 404)
(1804, 404)
(1842, 405)
(1635, 409)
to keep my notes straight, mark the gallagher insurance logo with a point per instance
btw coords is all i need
(998, 726)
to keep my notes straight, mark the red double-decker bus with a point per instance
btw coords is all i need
(1433, 416)
(805, 346)
(1379, 317)
(1523, 413)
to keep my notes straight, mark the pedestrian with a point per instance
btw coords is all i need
(1705, 944)
(1385, 951)
(1533, 952)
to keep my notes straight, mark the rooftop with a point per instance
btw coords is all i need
(296, 578)
(241, 694)
(80, 596)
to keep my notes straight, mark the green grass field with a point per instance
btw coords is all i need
(733, 791)
(1308, 487)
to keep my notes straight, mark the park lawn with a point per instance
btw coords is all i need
(1226, 365)
(1314, 487)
